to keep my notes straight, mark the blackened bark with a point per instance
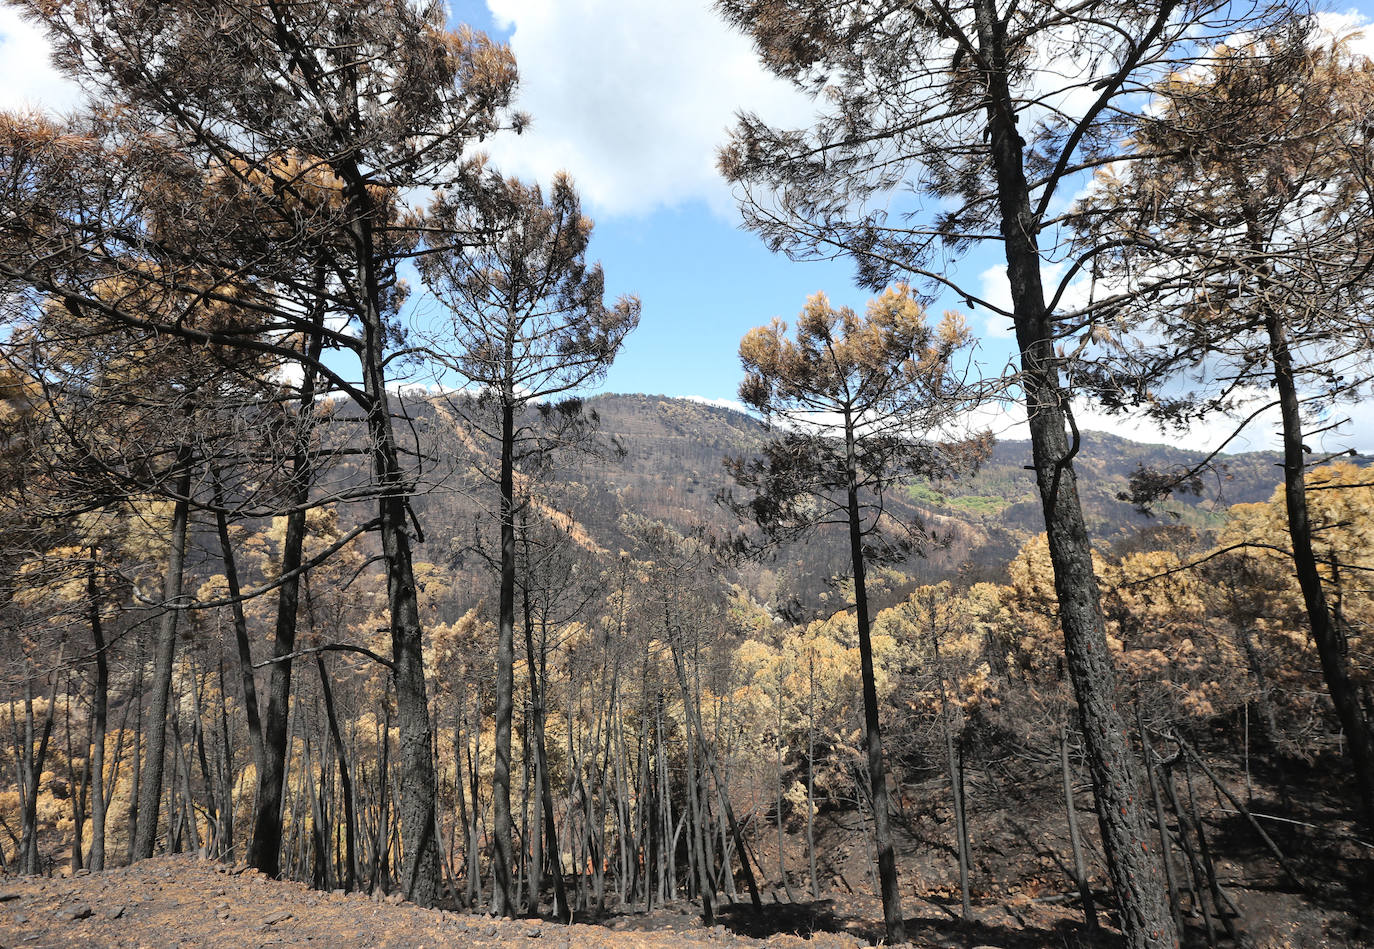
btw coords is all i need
(873, 740)
(1161, 824)
(1134, 872)
(100, 704)
(242, 647)
(265, 850)
(502, 896)
(345, 780)
(31, 763)
(697, 841)
(155, 732)
(421, 878)
(541, 764)
(956, 770)
(1330, 641)
(139, 663)
(811, 776)
(708, 758)
(1080, 873)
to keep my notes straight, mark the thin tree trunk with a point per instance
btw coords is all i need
(198, 742)
(956, 784)
(1329, 638)
(379, 851)
(873, 741)
(1205, 852)
(522, 860)
(811, 777)
(474, 759)
(183, 765)
(79, 784)
(560, 894)
(228, 782)
(345, 779)
(136, 765)
(100, 705)
(1288, 868)
(1080, 873)
(459, 787)
(244, 651)
(31, 769)
(736, 835)
(777, 799)
(697, 844)
(155, 733)
(626, 834)
(1165, 855)
(502, 897)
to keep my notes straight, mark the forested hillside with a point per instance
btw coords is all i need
(672, 470)
(662, 668)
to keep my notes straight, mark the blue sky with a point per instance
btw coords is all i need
(633, 98)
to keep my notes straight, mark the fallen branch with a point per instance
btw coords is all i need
(1299, 823)
(1288, 868)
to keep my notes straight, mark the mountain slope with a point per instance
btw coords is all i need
(671, 469)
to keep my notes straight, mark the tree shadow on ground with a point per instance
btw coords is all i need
(805, 918)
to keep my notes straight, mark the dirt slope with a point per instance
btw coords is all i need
(184, 902)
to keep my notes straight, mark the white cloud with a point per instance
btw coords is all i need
(633, 98)
(1008, 421)
(994, 288)
(1353, 26)
(27, 77)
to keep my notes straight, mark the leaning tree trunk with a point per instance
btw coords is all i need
(1329, 639)
(873, 740)
(1134, 871)
(31, 767)
(155, 732)
(350, 880)
(265, 851)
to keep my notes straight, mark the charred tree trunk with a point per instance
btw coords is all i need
(155, 733)
(1080, 872)
(1165, 853)
(811, 777)
(31, 762)
(541, 764)
(139, 662)
(422, 879)
(1329, 638)
(1134, 872)
(873, 741)
(265, 851)
(954, 765)
(100, 705)
(502, 897)
(345, 779)
(247, 680)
